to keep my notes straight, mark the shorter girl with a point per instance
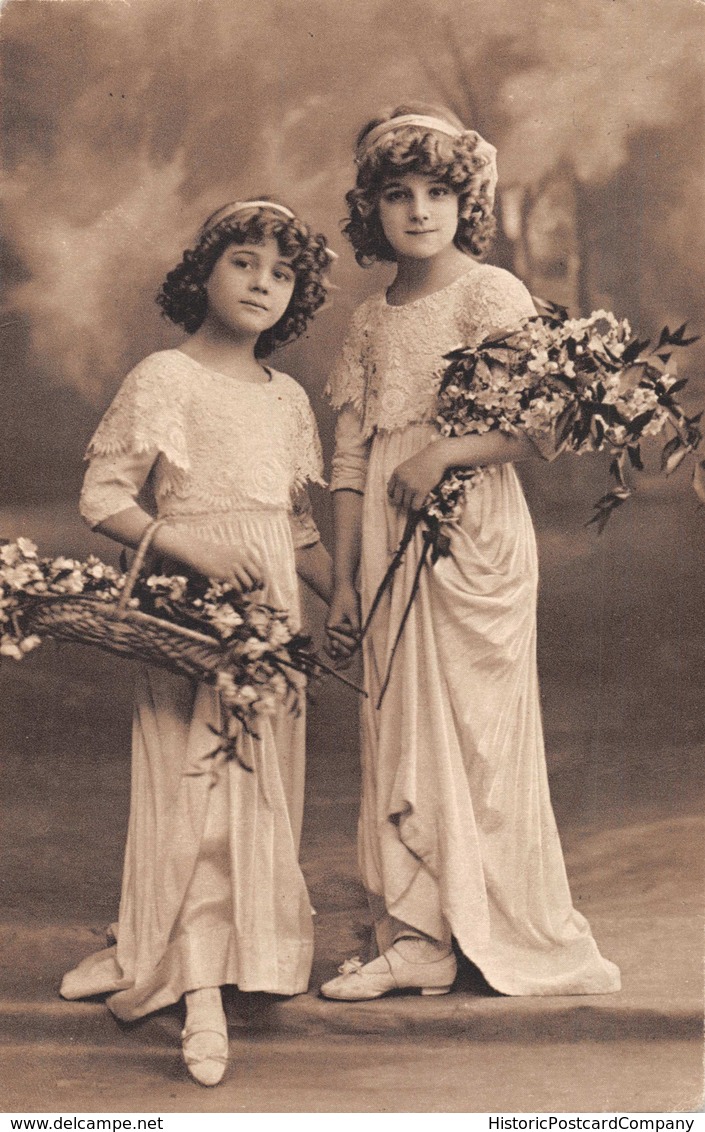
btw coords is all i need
(457, 839)
(212, 890)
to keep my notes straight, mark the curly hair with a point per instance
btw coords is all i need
(183, 296)
(413, 149)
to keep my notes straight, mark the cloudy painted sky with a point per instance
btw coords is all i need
(126, 122)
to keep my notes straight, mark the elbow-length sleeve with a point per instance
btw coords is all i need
(306, 443)
(144, 424)
(347, 392)
(112, 484)
(351, 454)
(304, 531)
(307, 468)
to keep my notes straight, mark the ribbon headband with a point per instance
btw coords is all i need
(423, 121)
(229, 210)
(482, 149)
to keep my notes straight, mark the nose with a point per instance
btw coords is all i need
(418, 207)
(261, 282)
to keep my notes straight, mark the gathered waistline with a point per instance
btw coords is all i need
(219, 516)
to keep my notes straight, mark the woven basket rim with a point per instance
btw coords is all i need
(108, 609)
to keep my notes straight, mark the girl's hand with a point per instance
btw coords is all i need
(343, 624)
(411, 482)
(239, 568)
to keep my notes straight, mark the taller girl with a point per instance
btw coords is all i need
(457, 837)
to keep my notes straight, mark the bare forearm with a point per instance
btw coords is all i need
(126, 526)
(478, 449)
(129, 526)
(347, 511)
(315, 566)
(237, 565)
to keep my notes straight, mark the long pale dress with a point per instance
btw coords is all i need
(456, 832)
(212, 891)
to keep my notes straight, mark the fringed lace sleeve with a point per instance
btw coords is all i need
(304, 531)
(147, 414)
(346, 384)
(145, 421)
(307, 455)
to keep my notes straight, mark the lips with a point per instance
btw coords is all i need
(255, 306)
(421, 231)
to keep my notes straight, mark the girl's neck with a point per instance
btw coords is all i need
(215, 348)
(416, 278)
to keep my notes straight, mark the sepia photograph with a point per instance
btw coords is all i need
(352, 552)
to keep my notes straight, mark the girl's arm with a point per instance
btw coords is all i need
(238, 567)
(344, 618)
(411, 482)
(315, 566)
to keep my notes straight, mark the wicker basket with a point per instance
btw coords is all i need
(116, 628)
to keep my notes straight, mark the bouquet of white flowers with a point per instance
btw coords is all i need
(195, 627)
(572, 385)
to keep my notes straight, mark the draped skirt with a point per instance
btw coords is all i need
(457, 834)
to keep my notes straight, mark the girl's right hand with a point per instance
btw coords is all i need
(343, 622)
(239, 568)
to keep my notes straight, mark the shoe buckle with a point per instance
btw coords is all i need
(351, 966)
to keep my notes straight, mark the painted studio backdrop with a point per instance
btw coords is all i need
(126, 123)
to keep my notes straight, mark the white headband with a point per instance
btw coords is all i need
(482, 149)
(229, 210)
(437, 125)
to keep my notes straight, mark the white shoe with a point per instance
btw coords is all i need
(390, 972)
(205, 1054)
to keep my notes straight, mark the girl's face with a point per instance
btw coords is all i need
(419, 215)
(249, 288)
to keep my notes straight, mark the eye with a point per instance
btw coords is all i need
(393, 195)
(439, 191)
(241, 261)
(283, 275)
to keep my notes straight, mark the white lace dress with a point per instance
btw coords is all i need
(456, 833)
(212, 890)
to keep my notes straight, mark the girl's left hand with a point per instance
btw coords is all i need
(411, 482)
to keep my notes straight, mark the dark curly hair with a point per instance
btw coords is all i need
(183, 296)
(413, 149)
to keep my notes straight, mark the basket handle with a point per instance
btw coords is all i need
(136, 566)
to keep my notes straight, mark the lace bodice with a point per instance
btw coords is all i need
(214, 444)
(391, 364)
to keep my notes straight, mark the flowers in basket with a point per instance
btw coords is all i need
(571, 385)
(240, 644)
